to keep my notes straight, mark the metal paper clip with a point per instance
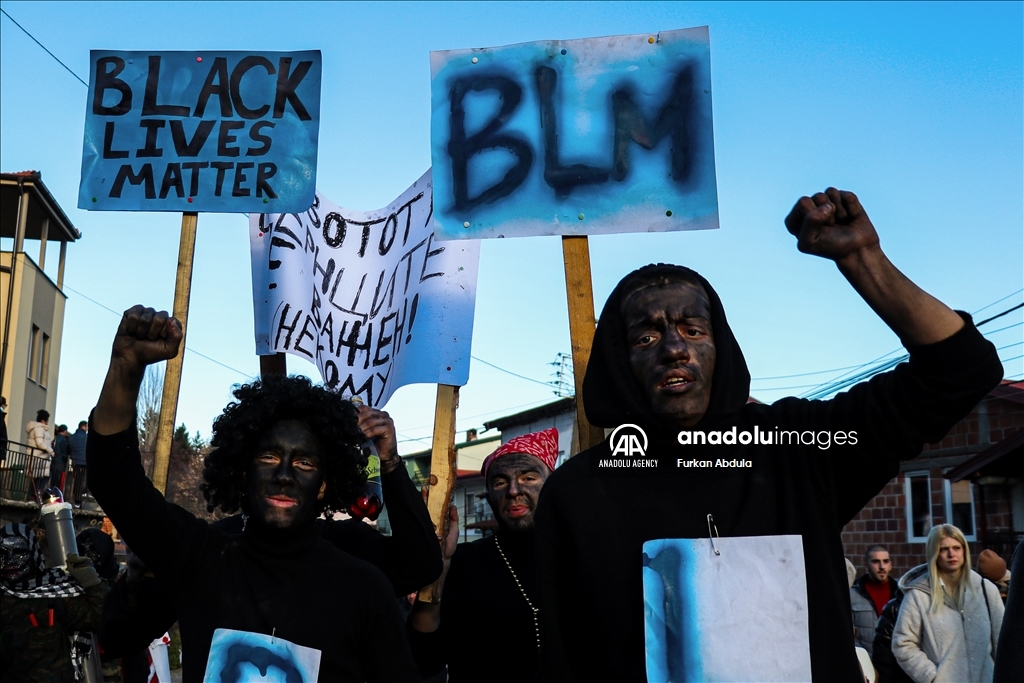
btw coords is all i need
(713, 534)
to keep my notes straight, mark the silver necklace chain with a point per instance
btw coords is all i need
(533, 610)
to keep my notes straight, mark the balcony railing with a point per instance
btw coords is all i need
(20, 469)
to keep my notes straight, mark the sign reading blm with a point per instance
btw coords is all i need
(574, 137)
(232, 132)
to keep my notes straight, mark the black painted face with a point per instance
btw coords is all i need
(285, 477)
(513, 488)
(672, 349)
(15, 559)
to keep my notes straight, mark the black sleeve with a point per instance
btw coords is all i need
(411, 557)
(459, 615)
(134, 615)
(1009, 657)
(427, 650)
(164, 536)
(896, 413)
(386, 651)
(557, 564)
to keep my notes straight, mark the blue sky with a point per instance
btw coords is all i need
(917, 107)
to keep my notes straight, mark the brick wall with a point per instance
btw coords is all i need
(884, 519)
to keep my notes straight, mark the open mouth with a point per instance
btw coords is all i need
(676, 382)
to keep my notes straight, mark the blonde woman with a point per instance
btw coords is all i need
(949, 621)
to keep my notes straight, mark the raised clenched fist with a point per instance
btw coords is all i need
(146, 336)
(831, 224)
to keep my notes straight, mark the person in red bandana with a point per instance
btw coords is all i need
(490, 586)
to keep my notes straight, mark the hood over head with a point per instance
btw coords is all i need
(916, 578)
(610, 393)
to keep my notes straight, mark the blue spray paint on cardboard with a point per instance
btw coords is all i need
(600, 135)
(221, 131)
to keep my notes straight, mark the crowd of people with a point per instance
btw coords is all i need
(940, 621)
(52, 457)
(559, 591)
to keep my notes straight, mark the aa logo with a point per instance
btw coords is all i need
(628, 440)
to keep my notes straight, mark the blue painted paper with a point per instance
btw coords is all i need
(732, 617)
(231, 132)
(575, 137)
(244, 656)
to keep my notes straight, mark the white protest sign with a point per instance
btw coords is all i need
(700, 606)
(370, 297)
(246, 656)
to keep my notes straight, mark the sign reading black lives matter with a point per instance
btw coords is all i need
(232, 132)
(574, 137)
(371, 297)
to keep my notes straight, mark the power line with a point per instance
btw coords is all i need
(840, 384)
(509, 372)
(805, 374)
(89, 298)
(223, 365)
(844, 381)
(997, 301)
(470, 417)
(44, 47)
(1000, 315)
(187, 347)
(1008, 327)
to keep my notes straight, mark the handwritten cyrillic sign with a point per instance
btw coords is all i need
(371, 297)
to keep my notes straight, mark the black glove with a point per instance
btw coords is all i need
(82, 571)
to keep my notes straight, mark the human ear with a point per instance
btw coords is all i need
(323, 490)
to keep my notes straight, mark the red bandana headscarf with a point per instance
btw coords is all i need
(542, 445)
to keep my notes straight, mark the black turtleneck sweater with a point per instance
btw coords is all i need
(487, 630)
(291, 584)
(134, 614)
(591, 528)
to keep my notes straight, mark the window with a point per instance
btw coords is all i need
(960, 507)
(918, 490)
(33, 347)
(44, 361)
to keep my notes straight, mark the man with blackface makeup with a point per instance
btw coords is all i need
(665, 359)
(139, 610)
(489, 599)
(276, 595)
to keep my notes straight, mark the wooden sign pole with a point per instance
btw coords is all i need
(275, 364)
(442, 471)
(172, 375)
(579, 290)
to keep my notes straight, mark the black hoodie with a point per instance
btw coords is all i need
(591, 528)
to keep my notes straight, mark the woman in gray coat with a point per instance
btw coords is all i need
(949, 621)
